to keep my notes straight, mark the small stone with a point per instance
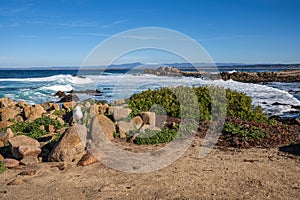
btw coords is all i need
(17, 181)
(51, 128)
(87, 159)
(19, 118)
(1, 157)
(10, 163)
(28, 173)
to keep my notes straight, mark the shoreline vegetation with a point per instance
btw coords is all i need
(50, 133)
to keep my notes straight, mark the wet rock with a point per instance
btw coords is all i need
(21, 140)
(60, 94)
(10, 163)
(70, 146)
(69, 98)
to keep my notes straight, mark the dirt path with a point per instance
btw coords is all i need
(243, 174)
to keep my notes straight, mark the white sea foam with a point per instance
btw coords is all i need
(58, 88)
(60, 78)
(124, 85)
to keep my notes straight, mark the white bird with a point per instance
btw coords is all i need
(77, 113)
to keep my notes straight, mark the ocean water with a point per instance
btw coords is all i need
(38, 86)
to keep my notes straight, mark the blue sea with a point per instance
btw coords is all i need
(38, 86)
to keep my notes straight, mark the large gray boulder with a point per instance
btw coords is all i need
(102, 129)
(71, 145)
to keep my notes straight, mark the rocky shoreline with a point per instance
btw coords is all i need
(66, 161)
(246, 77)
(263, 77)
(51, 132)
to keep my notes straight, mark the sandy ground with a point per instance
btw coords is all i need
(234, 174)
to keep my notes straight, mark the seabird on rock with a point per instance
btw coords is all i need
(77, 113)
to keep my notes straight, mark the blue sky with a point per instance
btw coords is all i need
(63, 32)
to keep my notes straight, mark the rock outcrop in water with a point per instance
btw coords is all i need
(247, 77)
(259, 77)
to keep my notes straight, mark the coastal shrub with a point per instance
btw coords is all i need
(247, 133)
(207, 98)
(156, 137)
(59, 112)
(33, 129)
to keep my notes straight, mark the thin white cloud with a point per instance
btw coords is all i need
(115, 23)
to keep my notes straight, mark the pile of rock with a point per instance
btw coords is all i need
(100, 122)
(163, 71)
(252, 77)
